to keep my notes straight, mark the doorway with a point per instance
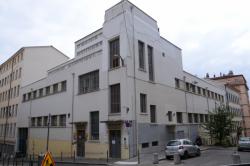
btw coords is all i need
(115, 143)
(22, 142)
(80, 143)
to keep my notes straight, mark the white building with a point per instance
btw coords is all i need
(27, 65)
(124, 91)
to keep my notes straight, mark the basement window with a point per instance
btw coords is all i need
(145, 145)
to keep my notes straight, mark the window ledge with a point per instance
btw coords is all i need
(114, 68)
(142, 113)
(81, 93)
(114, 114)
(152, 82)
(94, 141)
(143, 70)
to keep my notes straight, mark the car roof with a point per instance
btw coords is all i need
(180, 140)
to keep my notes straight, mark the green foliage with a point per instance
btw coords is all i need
(220, 124)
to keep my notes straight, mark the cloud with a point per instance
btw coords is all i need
(212, 34)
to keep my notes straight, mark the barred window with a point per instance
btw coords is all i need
(153, 113)
(143, 102)
(141, 50)
(62, 120)
(55, 88)
(45, 121)
(115, 98)
(114, 51)
(33, 122)
(89, 82)
(54, 120)
(94, 120)
(179, 117)
(47, 89)
(190, 118)
(39, 121)
(63, 86)
(150, 63)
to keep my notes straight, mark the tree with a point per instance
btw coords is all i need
(220, 124)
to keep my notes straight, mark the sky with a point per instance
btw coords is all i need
(214, 35)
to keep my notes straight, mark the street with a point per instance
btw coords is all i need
(212, 157)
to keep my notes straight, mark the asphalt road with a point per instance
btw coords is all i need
(212, 157)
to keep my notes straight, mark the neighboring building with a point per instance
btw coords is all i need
(125, 90)
(239, 82)
(27, 65)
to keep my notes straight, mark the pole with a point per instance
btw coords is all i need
(72, 112)
(47, 145)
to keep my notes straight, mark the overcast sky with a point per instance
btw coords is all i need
(213, 34)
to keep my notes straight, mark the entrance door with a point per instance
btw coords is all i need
(80, 142)
(22, 144)
(115, 143)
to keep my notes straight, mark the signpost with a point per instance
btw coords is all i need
(48, 160)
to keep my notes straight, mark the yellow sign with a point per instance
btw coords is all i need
(48, 160)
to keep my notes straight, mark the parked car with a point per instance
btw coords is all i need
(244, 143)
(183, 147)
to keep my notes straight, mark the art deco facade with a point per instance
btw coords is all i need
(125, 90)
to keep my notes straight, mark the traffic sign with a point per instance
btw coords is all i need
(48, 160)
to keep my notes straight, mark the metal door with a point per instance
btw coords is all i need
(80, 142)
(115, 143)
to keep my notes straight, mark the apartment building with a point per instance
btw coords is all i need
(27, 65)
(125, 90)
(238, 82)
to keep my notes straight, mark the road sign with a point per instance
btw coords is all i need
(48, 160)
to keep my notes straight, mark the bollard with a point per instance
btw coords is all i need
(177, 158)
(156, 160)
(61, 155)
(236, 158)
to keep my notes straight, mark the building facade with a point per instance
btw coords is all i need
(239, 82)
(125, 90)
(27, 65)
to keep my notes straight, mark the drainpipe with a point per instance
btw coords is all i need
(136, 122)
(72, 112)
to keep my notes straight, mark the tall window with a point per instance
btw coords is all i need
(141, 49)
(190, 118)
(63, 86)
(45, 121)
(115, 98)
(143, 102)
(179, 117)
(62, 120)
(54, 120)
(177, 83)
(89, 82)
(55, 88)
(33, 122)
(150, 63)
(39, 121)
(114, 51)
(153, 113)
(195, 118)
(47, 90)
(170, 116)
(41, 92)
(94, 120)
